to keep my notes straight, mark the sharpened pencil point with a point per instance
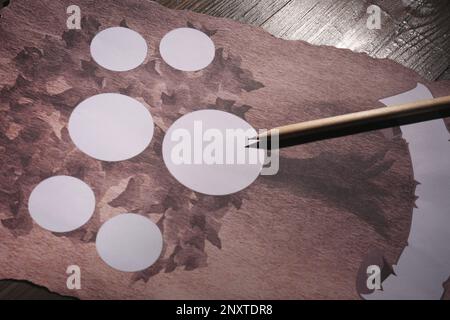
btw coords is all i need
(254, 144)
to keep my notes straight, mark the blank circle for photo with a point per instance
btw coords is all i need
(119, 49)
(129, 242)
(111, 127)
(212, 178)
(61, 204)
(187, 49)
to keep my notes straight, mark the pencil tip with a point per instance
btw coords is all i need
(252, 145)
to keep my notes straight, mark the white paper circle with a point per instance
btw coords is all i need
(187, 49)
(206, 173)
(119, 49)
(111, 127)
(61, 204)
(129, 242)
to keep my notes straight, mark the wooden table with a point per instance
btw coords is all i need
(416, 35)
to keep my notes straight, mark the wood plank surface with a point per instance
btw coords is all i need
(415, 35)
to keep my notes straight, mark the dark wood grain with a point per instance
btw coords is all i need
(23, 290)
(445, 75)
(416, 36)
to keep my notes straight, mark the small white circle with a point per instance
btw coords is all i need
(111, 127)
(61, 204)
(199, 155)
(187, 49)
(119, 49)
(129, 242)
